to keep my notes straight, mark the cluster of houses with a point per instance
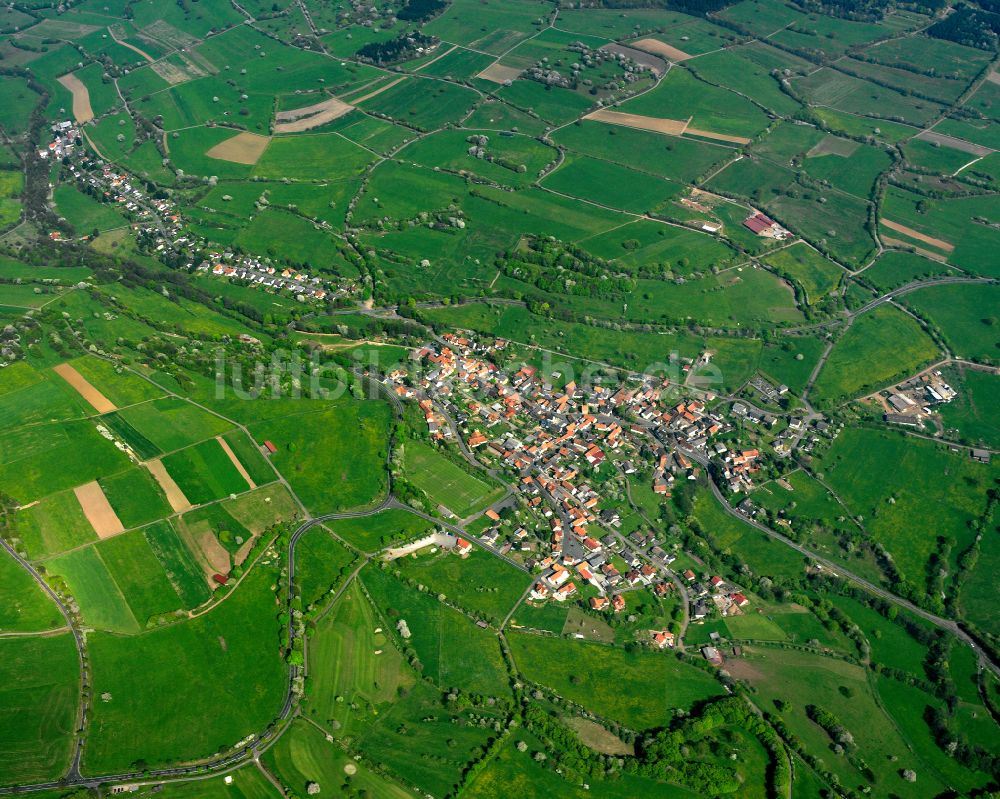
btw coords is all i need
(561, 445)
(914, 400)
(256, 271)
(163, 222)
(64, 141)
(727, 599)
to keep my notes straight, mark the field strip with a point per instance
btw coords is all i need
(236, 461)
(97, 400)
(449, 51)
(952, 143)
(316, 115)
(98, 510)
(379, 91)
(915, 234)
(994, 77)
(934, 256)
(672, 127)
(499, 73)
(82, 111)
(708, 134)
(243, 148)
(657, 47)
(178, 502)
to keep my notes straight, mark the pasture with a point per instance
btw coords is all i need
(332, 453)
(640, 690)
(909, 492)
(481, 583)
(453, 651)
(372, 533)
(966, 317)
(888, 341)
(156, 715)
(303, 756)
(24, 607)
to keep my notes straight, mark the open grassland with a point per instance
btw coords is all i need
(304, 757)
(494, 26)
(121, 387)
(157, 715)
(967, 317)
(975, 413)
(815, 274)
(24, 607)
(38, 698)
(680, 95)
(802, 679)
(890, 343)
(321, 564)
(640, 690)
(894, 269)
(40, 460)
(135, 497)
(332, 453)
(348, 659)
(481, 583)
(375, 532)
(53, 525)
(171, 423)
(447, 484)
(452, 650)
(962, 222)
(909, 492)
(407, 740)
(756, 549)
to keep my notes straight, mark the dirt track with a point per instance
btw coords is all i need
(82, 111)
(98, 510)
(97, 400)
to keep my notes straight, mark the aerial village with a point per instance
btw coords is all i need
(560, 447)
(165, 232)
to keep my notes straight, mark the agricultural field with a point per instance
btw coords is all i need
(268, 270)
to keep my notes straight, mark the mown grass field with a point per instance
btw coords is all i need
(24, 607)
(39, 690)
(445, 482)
